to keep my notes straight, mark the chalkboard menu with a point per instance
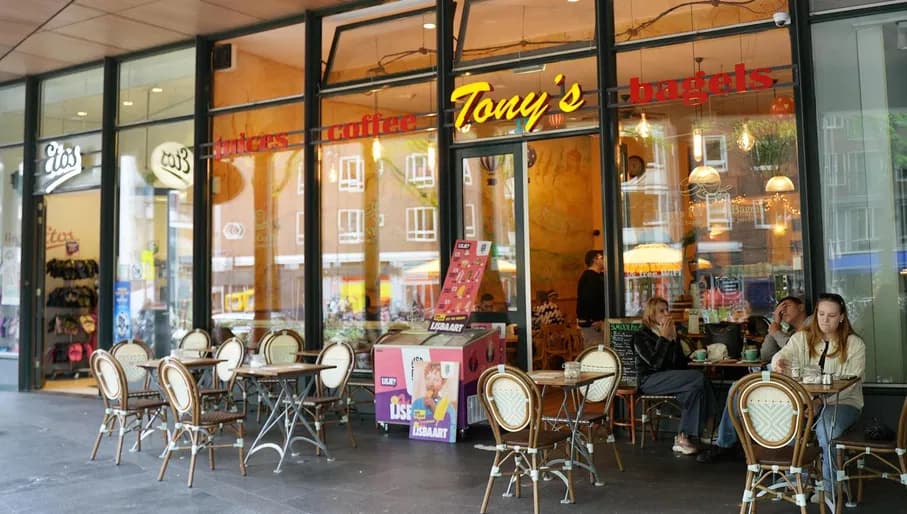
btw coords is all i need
(619, 336)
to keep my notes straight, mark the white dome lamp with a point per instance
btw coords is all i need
(779, 184)
(705, 175)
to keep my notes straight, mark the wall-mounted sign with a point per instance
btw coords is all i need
(60, 164)
(234, 230)
(371, 125)
(243, 144)
(171, 163)
(696, 89)
(479, 110)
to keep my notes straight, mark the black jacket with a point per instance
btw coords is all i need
(655, 353)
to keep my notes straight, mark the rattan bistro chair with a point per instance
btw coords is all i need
(773, 416)
(278, 347)
(195, 343)
(331, 394)
(119, 408)
(514, 407)
(200, 428)
(885, 459)
(128, 353)
(601, 359)
(232, 353)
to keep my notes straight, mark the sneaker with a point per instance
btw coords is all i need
(684, 446)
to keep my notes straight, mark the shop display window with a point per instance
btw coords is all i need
(379, 48)
(12, 114)
(157, 87)
(638, 20)
(10, 250)
(862, 136)
(571, 100)
(490, 31)
(708, 172)
(257, 160)
(381, 260)
(72, 103)
(154, 255)
(259, 67)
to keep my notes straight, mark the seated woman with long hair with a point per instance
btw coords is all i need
(661, 368)
(829, 343)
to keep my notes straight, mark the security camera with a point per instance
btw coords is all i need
(781, 19)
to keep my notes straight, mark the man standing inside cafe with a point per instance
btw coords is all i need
(590, 298)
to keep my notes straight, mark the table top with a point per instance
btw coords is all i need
(309, 353)
(556, 378)
(282, 370)
(189, 363)
(836, 386)
(728, 363)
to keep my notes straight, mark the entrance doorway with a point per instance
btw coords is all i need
(540, 203)
(67, 291)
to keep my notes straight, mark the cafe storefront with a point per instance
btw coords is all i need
(711, 152)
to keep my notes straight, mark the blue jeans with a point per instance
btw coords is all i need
(727, 434)
(844, 416)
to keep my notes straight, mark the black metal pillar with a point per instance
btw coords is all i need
(27, 307)
(314, 320)
(107, 259)
(448, 185)
(201, 194)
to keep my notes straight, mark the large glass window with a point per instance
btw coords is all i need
(12, 114)
(157, 87)
(380, 251)
(10, 252)
(491, 30)
(831, 5)
(261, 66)
(708, 171)
(862, 126)
(643, 19)
(257, 269)
(71, 104)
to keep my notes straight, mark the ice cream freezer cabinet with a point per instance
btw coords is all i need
(475, 350)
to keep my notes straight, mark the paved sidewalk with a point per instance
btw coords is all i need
(45, 441)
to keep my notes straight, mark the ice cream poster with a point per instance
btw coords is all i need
(434, 405)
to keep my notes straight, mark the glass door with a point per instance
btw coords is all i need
(492, 208)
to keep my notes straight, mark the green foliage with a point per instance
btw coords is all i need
(775, 146)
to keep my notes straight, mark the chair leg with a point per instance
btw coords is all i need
(241, 431)
(491, 476)
(121, 421)
(613, 443)
(105, 427)
(643, 421)
(534, 475)
(349, 423)
(210, 439)
(174, 438)
(194, 437)
(747, 487)
(839, 484)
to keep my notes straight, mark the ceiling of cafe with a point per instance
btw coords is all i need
(37, 36)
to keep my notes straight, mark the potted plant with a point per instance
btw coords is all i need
(775, 143)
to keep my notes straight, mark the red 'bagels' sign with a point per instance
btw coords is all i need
(696, 90)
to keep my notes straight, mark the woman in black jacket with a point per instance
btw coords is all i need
(661, 368)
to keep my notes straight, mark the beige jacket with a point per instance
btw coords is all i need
(796, 353)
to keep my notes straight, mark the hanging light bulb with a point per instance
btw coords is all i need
(705, 176)
(779, 184)
(332, 174)
(746, 141)
(643, 129)
(376, 149)
(697, 144)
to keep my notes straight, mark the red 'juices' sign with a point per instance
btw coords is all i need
(697, 89)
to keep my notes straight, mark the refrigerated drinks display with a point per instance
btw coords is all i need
(474, 350)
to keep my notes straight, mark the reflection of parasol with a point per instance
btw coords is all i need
(656, 258)
(432, 268)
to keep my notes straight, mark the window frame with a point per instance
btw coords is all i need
(355, 236)
(415, 222)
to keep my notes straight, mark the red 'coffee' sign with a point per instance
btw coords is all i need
(697, 89)
(371, 125)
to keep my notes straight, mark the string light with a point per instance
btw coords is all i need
(643, 129)
(746, 140)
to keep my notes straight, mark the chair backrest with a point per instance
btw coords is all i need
(728, 334)
(263, 342)
(603, 359)
(181, 390)
(111, 379)
(757, 325)
(130, 352)
(232, 351)
(197, 339)
(511, 400)
(772, 411)
(338, 354)
(282, 347)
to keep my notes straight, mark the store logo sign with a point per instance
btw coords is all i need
(532, 106)
(696, 90)
(371, 125)
(60, 164)
(243, 144)
(234, 230)
(171, 163)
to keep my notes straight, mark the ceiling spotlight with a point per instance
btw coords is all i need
(429, 26)
(81, 114)
(127, 103)
(572, 1)
(157, 90)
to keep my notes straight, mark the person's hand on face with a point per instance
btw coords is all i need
(667, 328)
